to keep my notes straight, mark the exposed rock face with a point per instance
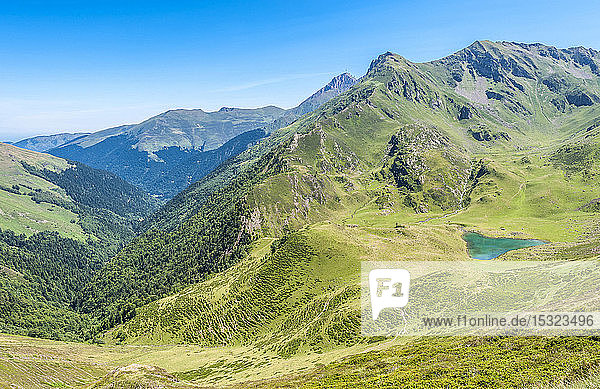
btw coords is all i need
(484, 135)
(560, 104)
(465, 113)
(380, 61)
(407, 87)
(485, 60)
(504, 76)
(584, 56)
(425, 163)
(554, 84)
(336, 86)
(481, 135)
(580, 99)
(494, 95)
(572, 93)
(340, 83)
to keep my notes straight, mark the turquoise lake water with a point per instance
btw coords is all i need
(483, 247)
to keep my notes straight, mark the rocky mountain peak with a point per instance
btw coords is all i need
(340, 82)
(382, 59)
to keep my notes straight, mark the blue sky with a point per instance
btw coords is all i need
(76, 66)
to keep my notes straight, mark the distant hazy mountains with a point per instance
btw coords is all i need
(166, 153)
(46, 142)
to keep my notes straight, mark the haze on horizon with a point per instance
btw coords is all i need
(70, 67)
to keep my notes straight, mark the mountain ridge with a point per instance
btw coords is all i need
(43, 143)
(338, 84)
(169, 151)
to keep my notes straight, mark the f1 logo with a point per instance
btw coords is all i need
(388, 289)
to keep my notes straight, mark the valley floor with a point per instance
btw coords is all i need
(558, 363)
(39, 363)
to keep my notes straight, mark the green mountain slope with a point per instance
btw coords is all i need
(59, 222)
(425, 363)
(28, 216)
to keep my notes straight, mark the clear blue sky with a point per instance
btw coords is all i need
(88, 65)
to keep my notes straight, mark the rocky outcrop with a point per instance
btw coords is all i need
(580, 99)
(424, 164)
(485, 135)
(465, 113)
(484, 60)
(335, 87)
(554, 84)
(586, 57)
(592, 206)
(137, 376)
(494, 95)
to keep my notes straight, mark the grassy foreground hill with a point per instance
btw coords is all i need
(416, 363)
(257, 265)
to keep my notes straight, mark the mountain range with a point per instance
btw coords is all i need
(250, 276)
(166, 153)
(44, 143)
